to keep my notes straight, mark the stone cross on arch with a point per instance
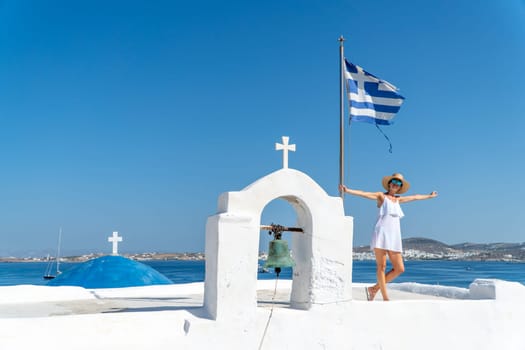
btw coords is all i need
(285, 147)
(115, 239)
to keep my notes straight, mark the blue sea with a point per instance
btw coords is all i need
(436, 272)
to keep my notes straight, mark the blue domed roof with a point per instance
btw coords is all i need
(110, 271)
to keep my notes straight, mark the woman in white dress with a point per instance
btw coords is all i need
(386, 239)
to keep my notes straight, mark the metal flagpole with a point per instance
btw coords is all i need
(341, 114)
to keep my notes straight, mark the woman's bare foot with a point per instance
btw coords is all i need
(371, 293)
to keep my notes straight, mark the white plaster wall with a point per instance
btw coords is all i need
(231, 280)
(323, 253)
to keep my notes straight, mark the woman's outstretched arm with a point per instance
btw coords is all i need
(417, 197)
(368, 195)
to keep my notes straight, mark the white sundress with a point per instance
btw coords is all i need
(387, 232)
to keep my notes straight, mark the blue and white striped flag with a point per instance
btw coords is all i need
(372, 100)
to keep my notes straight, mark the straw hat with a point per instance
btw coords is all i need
(398, 176)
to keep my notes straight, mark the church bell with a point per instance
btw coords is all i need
(279, 255)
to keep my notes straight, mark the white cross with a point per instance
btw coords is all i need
(115, 239)
(285, 147)
(360, 79)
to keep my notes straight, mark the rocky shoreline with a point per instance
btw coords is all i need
(414, 249)
(138, 257)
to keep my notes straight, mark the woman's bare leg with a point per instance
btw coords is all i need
(398, 267)
(380, 255)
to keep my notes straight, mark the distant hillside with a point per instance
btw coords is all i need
(417, 243)
(427, 245)
(432, 249)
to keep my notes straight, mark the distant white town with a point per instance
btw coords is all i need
(414, 249)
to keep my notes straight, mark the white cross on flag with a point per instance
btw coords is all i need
(372, 100)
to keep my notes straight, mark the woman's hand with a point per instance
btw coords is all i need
(342, 188)
(433, 194)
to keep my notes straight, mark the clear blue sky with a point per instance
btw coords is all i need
(135, 115)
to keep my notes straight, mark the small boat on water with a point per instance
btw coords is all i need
(48, 275)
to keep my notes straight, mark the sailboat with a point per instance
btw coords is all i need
(48, 274)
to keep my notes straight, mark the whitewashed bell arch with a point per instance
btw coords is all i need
(323, 253)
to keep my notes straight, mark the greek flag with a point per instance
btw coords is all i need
(372, 100)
